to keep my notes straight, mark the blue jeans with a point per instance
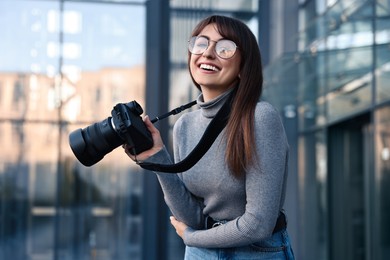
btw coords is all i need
(277, 247)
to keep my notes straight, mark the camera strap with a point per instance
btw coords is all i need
(212, 131)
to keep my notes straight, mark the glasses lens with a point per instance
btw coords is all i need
(197, 45)
(225, 49)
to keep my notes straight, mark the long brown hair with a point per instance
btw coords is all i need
(240, 152)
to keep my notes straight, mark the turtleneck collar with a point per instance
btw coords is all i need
(210, 108)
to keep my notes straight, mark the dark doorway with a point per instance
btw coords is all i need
(347, 153)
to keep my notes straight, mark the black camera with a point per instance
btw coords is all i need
(125, 125)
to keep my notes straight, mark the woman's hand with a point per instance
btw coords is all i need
(179, 226)
(157, 143)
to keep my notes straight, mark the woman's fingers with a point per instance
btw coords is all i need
(157, 143)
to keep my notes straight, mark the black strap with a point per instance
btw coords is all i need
(174, 111)
(211, 133)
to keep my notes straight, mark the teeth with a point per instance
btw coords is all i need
(208, 67)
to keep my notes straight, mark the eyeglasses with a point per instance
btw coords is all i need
(224, 48)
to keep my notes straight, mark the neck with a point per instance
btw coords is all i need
(209, 93)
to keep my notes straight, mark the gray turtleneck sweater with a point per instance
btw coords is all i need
(249, 205)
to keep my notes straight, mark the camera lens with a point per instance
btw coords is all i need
(92, 143)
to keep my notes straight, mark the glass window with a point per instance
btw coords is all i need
(349, 81)
(62, 69)
(243, 5)
(313, 196)
(311, 88)
(382, 66)
(382, 185)
(108, 64)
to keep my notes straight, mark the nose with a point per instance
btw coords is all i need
(210, 51)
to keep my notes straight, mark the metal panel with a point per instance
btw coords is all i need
(154, 210)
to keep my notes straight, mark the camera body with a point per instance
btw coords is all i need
(127, 121)
(125, 125)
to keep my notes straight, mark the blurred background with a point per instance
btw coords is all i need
(65, 63)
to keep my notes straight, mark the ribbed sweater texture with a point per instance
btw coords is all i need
(250, 205)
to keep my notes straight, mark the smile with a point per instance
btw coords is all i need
(208, 67)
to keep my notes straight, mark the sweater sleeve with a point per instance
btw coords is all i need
(264, 189)
(183, 204)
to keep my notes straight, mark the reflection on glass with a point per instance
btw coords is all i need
(313, 196)
(55, 76)
(244, 5)
(342, 61)
(382, 73)
(382, 184)
(349, 101)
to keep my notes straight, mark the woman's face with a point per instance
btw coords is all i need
(214, 74)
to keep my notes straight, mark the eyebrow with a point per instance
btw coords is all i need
(208, 38)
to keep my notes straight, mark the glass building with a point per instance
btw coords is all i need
(333, 89)
(64, 64)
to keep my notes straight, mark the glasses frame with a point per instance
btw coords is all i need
(193, 39)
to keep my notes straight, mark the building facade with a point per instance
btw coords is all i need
(65, 63)
(335, 87)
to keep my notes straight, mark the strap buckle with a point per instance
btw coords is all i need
(216, 224)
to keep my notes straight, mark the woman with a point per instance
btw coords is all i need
(230, 203)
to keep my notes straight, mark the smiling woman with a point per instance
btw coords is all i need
(231, 202)
(213, 65)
